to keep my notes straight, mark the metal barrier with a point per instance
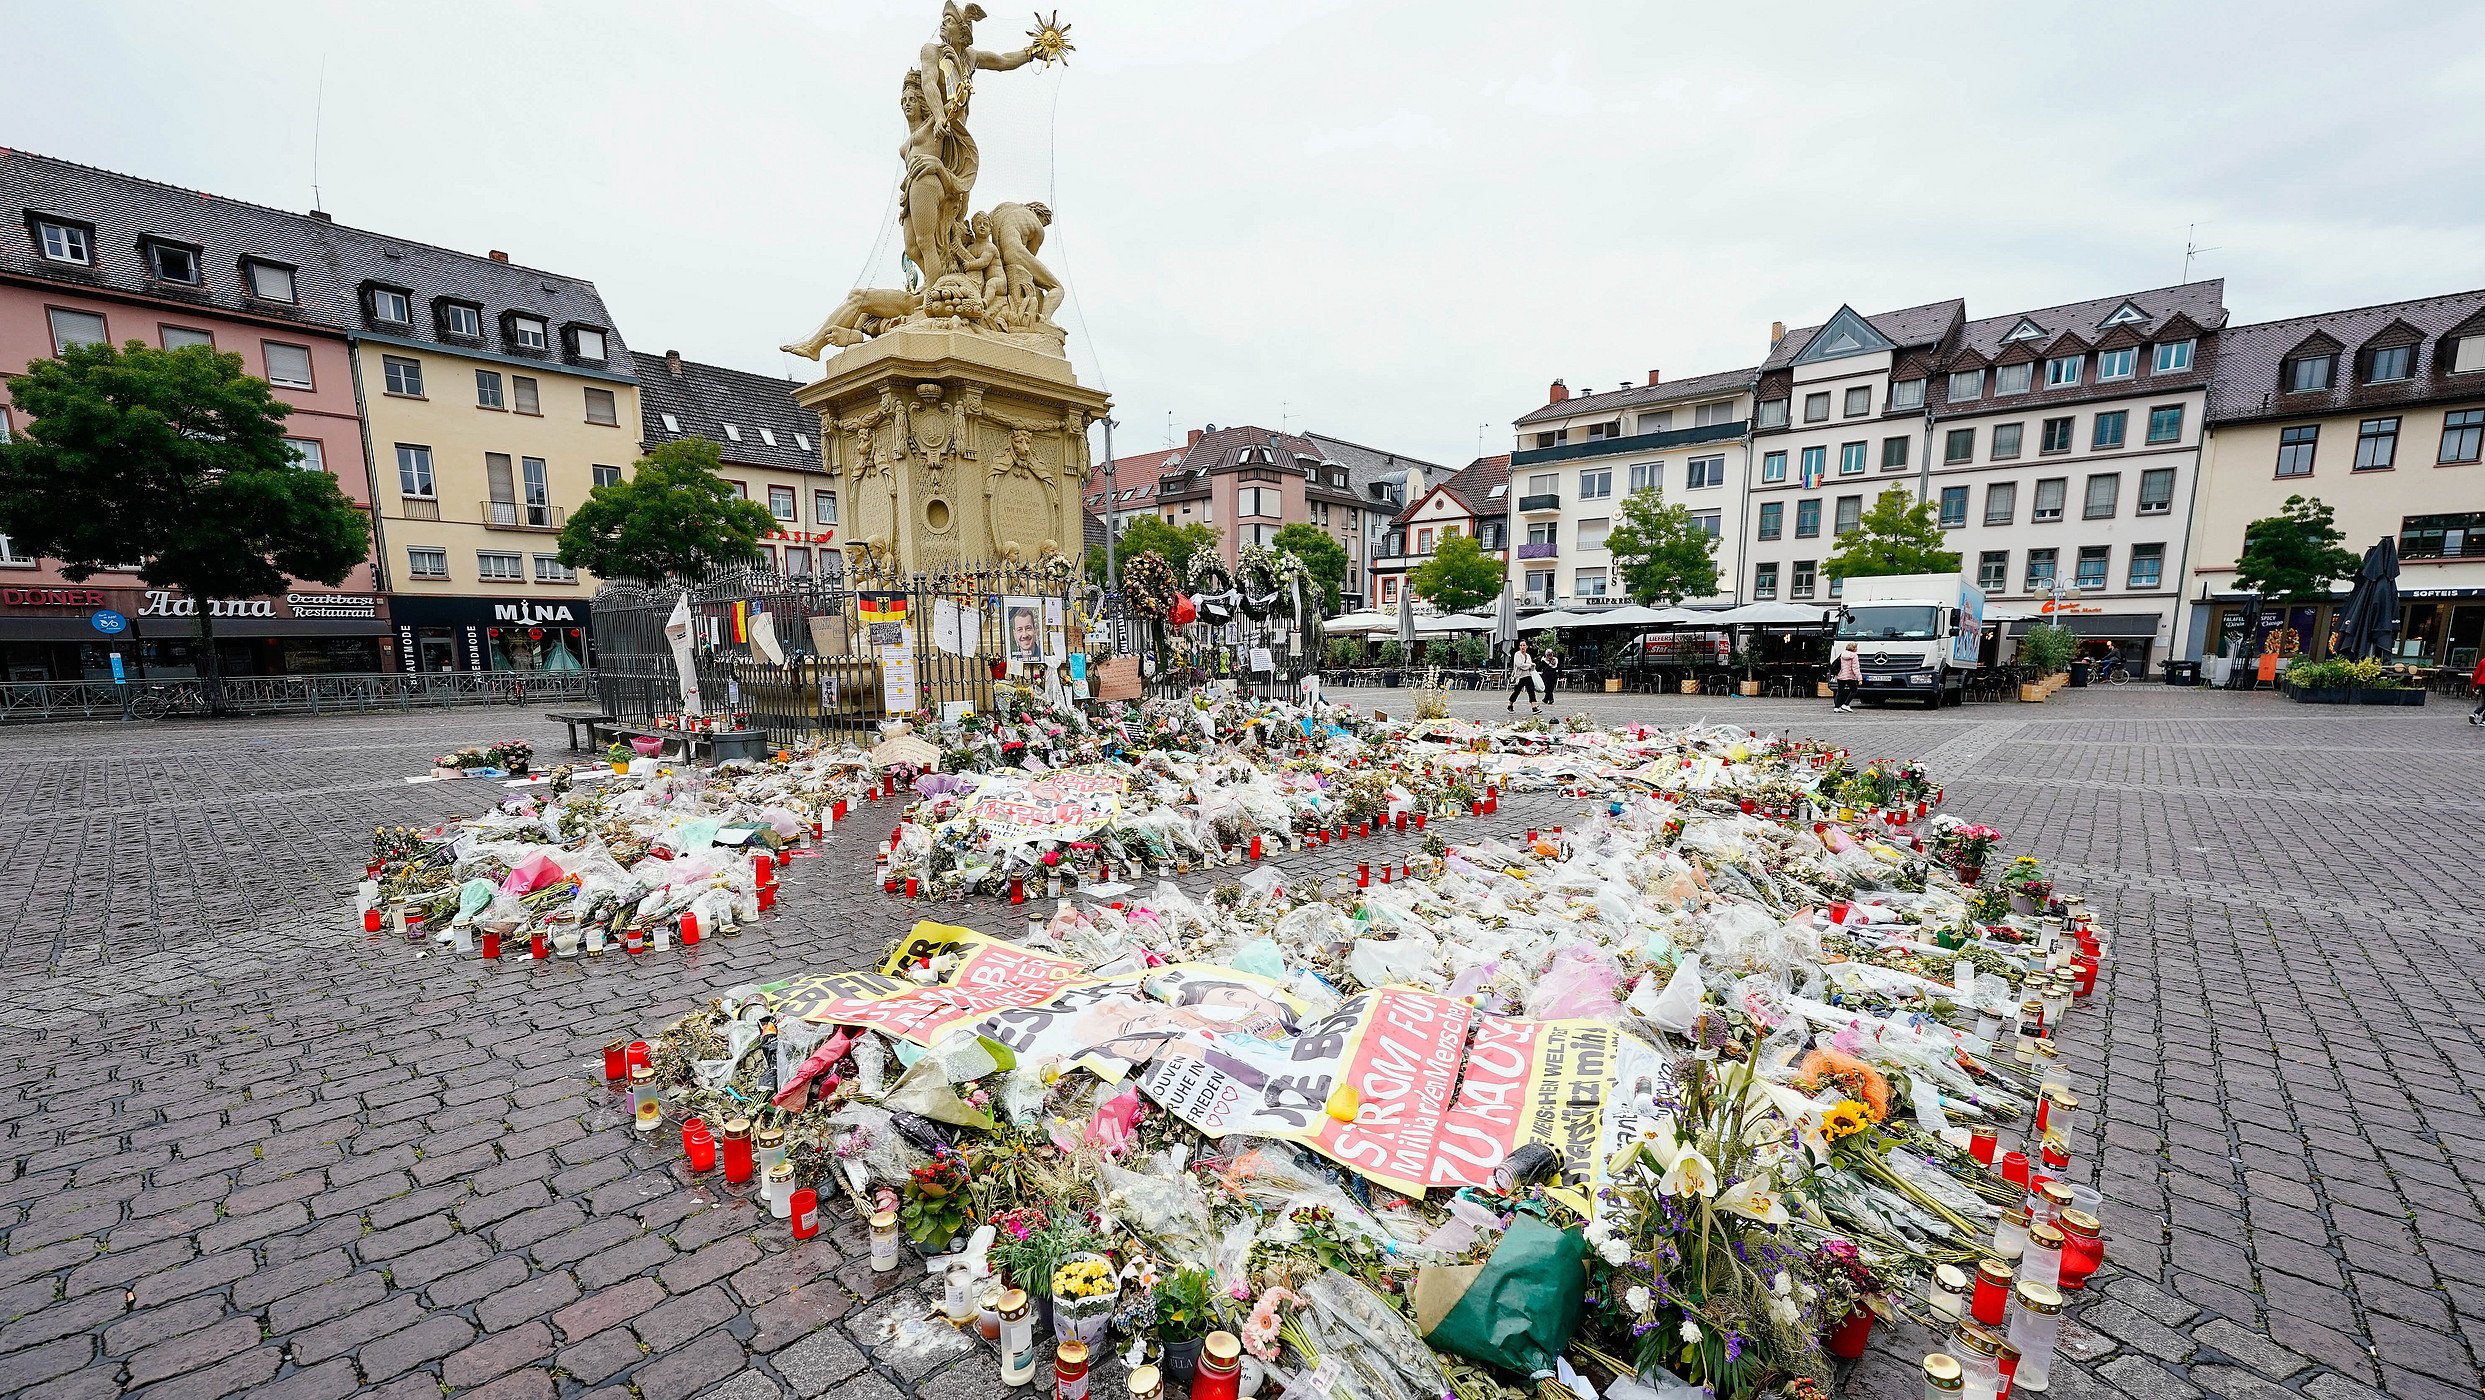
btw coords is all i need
(28, 702)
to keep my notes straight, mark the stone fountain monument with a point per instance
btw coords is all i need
(950, 418)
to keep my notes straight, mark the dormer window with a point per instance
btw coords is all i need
(803, 441)
(62, 241)
(390, 306)
(269, 281)
(2307, 374)
(2390, 363)
(586, 343)
(172, 262)
(2174, 357)
(461, 319)
(528, 333)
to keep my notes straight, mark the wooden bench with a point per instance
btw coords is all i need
(591, 722)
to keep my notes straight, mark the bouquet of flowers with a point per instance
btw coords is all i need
(2026, 877)
(1085, 1293)
(516, 755)
(1966, 847)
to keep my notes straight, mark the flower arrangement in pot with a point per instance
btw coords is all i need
(935, 1204)
(1085, 1293)
(1185, 1312)
(618, 756)
(1029, 1245)
(2028, 885)
(515, 755)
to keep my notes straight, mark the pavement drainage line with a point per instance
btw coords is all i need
(2349, 799)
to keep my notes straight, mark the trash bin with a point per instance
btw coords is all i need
(2079, 674)
(2182, 673)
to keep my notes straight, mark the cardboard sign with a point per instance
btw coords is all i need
(1117, 678)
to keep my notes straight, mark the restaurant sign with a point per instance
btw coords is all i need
(164, 603)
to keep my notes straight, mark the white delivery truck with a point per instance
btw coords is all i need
(1919, 635)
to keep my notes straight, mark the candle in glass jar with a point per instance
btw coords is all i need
(1017, 1339)
(646, 1108)
(2083, 1248)
(1981, 1143)
(883, 1241)
(1220, 1368)
(1943, 1379)
(2047, 1202)
(1979, 1354)
(2010, 1234)
(1146, 1383)
(1070, 1371)
(616, 1062)
(2015, 1168)
(1946, 1290)
(1992, 1296)
(737, 1145)
(2041, 1261)
(779, 1185)
(771, 1143)
(2034, 1325)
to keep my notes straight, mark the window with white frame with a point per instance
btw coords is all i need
(64, 242)
(590, 343)
(1907, 393)
(287, 365)
(550, 569)
(459, 319)
(2466, 355)
(173, 262)
(1850, 515)
(2089, 571)
(71, 328)
(2040, 567)
(2006, 439)
(523, 395)
(1993, 570)
(674, 425)
(1893, 453)
(602, 475)
(1712, 413)
(781, 503)
(2062, 371)
(1764, 582)
(1858, 400)
(2165, 423)
(601, 408)
(803, 441)
(1806, 574)
(732, 433)
(2174, 357)
(2117, 364)
(404, 377)
(823, 507)
(1966, 385)
(487, 389)
(527, 333)
(1953, 507)
(1850, 458)
(2001, 502)
(269, 281)
(1592, 533)
(2156, 491)
(493, 564)
(2014, 379)
(308, 454)
(1705, 472)
(1772, 412)
(1711, 523)
(1816, 407)
(392, 306)
(1658, 422)
(2050, 494)
(2104, 490)
(183, 337)
(2105, 431)
(2148, 566)
(1596, 485)
(1773, 466)
(1647, 476)
(1259, 501)
(1958, 445)
(768, 437)
(414, 471)
(2307, 374)
(423, 561)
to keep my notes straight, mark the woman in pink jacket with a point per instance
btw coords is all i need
(1850, 674)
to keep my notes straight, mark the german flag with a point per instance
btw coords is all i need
(880, 607)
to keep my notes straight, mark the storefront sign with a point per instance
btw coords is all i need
(333, 604)
(53, 597)
(533, 612)
(108, 622)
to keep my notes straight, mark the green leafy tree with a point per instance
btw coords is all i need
(1177, 543)
(177, 459)
(1323, 558)
(1459, 576)
(1663, 555)
(1894, 537)
(2048, 647)
(671, 517)
(2295, 553)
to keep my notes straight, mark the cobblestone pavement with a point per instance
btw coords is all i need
(252, 1151)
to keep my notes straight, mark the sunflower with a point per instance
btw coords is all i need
(1822, 1069)
(1845, 1119)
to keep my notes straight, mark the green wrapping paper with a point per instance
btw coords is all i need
(1516, 1310)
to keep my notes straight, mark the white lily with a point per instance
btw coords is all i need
(1755, 1198)
(1690, 1174)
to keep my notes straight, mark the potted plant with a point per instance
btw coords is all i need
(1747, 660)
(1085, 1293)
(618, 756)
(2027, 885)
(2047, 649)
(517, 756)
(1028, 1246)
(1185, 1311)
(935, 1202)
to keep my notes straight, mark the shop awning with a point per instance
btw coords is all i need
(2105, 625)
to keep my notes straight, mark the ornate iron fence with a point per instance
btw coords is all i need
(25, 702)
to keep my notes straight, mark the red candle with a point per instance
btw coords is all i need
(1384, 874)
(806, 1213)
(1992, 1296)
(1255, 846)
(633, 942)
(1419, 821)
(2015, 1168)
(616, 1062)
(737, 1144)
(1363, 874)
(1476, 808)
(637, 1055)
(491, 943)
(2056, 1154)
(838, 812)
(694, 1133)
(1747, 806)
(690, 928)
(371, 918)
(1018, 889)
(1980, 1145)
(1402, 821)
(913, 890)
(538, 946)
(2083, 1248)
(1531, 836)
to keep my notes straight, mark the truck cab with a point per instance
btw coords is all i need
(1916, 635)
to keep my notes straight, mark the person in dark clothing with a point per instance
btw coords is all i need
(1522, 678)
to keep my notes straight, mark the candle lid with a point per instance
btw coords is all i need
(2057, 1191)
(2016, 1215)
(884, 1220)
(1950, 1276)
(1942, 1369)
(1980, 1341)
(2081, 1223)
(1072, 1353)
(784, 1171)
(1144, 1381)
(2064, 1101)
(737, 1129)
(2039, 1297)
(642, 1074)
(772, 1136)
(2049, 1050)
(2044, 1236)
(1993, 1271)
(1014, 1300)
(1223, 1346)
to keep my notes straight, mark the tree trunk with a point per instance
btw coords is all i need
(211, 666)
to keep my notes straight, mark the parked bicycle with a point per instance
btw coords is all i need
(158, 701)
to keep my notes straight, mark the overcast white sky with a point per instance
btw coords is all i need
(1391, 222)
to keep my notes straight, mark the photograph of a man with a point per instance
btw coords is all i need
(1023, 620)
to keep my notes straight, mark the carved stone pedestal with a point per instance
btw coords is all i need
(954, 447)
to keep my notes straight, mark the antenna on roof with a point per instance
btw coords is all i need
(2191, 249)
(319, 107)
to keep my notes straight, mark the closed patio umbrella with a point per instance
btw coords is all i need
(1506, 621)
(1406, 617)
(2370, 621)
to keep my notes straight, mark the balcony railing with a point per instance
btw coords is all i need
(1637, 442)
(514, 515)
(1550, 500)
(1544, 550)
(422, 508)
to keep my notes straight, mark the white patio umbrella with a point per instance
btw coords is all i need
(1455, 622)
(1548, 620)
(1358, 623)
(1771, 615)
(1631, 616)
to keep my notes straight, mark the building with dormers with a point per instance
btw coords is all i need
(1473, 501)
(1582, 453)
(766, 449)
(90, 255)
(2064, 447)
(2379, 413)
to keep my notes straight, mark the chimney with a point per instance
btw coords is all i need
(673, 363)
(1194, 442)
(1559, 393)
(1652, 379)
(1777, 332)
(499, 256)
(323, 216)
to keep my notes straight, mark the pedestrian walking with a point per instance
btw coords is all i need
(2476, 682)
(1522, 677)
(1548, 670)
(1850, 675)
